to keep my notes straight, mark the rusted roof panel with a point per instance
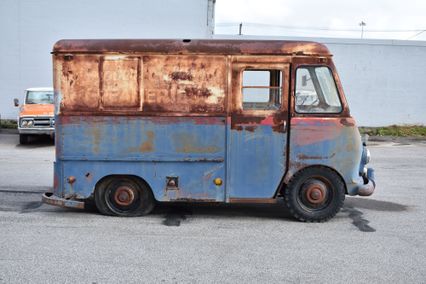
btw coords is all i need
(258, 47)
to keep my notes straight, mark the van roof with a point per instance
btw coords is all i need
(189, 46)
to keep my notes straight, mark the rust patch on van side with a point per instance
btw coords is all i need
(180, 76)
(250, 128)
(184, 84)
(186, 143)
(315, 130)
(120, 82)
(194, 91)
(217, 46)
(347, 121)
(96, 134)
(249, 122)
(148, 145)
(307, 157)
(294, 167)
(239, 121)
(80, 82)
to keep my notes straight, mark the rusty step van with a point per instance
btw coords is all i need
(232, 121)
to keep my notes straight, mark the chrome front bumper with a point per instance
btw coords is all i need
(36, 130)
(369, 185)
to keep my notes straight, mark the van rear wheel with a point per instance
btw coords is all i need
(315, 194)
(124, 196)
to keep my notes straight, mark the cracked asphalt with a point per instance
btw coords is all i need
(379, 239)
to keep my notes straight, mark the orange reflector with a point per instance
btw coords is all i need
(217, 181)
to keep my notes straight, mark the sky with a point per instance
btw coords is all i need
(384, 19)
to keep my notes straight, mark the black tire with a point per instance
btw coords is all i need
(89, 205)
(315, 194)
(23, 139)
(124, 196)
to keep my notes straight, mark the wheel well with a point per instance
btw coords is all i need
(283, 184)
(133, 177)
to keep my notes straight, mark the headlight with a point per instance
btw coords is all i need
(27, 122)
(366, 156)
(364, 171)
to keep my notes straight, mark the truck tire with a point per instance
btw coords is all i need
(315, 194)
(23, 139)
(124, 196)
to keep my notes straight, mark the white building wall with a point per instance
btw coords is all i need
(384, 80)
(29, 28)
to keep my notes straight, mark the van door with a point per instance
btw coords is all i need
(258, 131)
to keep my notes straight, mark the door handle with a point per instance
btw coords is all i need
(283, 125)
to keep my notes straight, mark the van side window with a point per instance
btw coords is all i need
(316, 91)
(261, 89)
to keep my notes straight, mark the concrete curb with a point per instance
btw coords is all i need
(396, 139)
(8, 131)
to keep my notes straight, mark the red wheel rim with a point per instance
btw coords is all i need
(316, 193)
(124, 196)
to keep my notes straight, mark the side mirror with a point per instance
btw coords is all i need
(16, 102)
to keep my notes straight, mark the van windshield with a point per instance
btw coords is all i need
(316, 91)
(39, 97)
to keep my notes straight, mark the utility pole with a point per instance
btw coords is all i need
(241, 28)
(362, 24)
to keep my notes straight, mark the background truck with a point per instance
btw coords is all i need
(36, 114)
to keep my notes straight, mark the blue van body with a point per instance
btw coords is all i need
(137, 122)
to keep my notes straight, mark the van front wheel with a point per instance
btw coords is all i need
(315, 194)
(123, 196)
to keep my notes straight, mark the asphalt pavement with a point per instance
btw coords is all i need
(377, 239)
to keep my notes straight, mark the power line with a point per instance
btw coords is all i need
(248, 24)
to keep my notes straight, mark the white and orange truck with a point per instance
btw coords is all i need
(36, 114)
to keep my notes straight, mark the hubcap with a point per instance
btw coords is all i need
(124, 196)
(315, 192)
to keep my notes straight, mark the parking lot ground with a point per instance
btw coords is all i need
(377, 239)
